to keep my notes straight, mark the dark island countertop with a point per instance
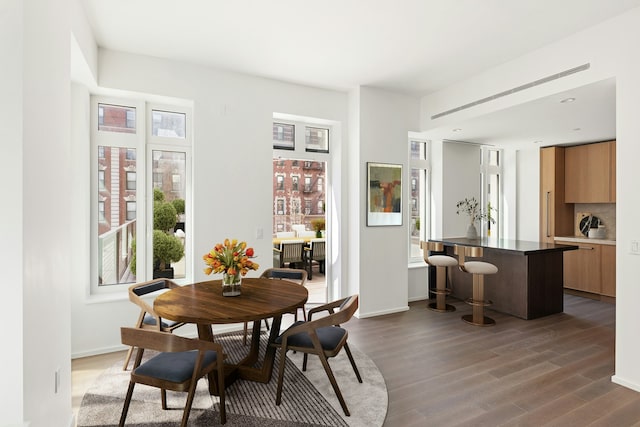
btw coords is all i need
(523, 246)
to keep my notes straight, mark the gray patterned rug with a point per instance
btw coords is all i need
(307, 398)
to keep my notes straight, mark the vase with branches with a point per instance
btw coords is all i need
(471, 207)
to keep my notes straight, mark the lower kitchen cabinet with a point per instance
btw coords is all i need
(590, 268)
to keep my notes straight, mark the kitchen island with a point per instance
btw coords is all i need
(529, 281)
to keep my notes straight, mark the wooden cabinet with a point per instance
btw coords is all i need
(608, 270)
(590, 173)
(591, 268)
(556, 217)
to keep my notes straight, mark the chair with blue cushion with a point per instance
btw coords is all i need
(178, 366)
(148, 319)
(323, 337)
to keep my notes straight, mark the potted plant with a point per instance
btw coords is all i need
(318, 225)
(167, 248)
(472, 209)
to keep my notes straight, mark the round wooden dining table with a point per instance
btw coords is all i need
(203, 304)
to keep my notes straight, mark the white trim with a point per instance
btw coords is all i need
(629, 384)
(383, 312)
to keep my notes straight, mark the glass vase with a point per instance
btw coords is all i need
(231, 284)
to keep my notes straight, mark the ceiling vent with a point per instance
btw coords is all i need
(538, 82)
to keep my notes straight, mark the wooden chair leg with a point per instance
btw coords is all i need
(221, 391)
(127, 401)
(163, 398)
(353, 363)
(304, 361)
(244, 337)
(334, 384)
(189, 403)
(283, 357)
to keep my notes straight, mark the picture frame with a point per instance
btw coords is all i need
(384, 194)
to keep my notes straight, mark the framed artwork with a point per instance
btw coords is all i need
(384, 194)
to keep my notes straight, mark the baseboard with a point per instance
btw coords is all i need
(382, 313)
(628, 384)
(419, 298)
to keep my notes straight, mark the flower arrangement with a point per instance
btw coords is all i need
(472, 209)
(230, 258)
(318, 225)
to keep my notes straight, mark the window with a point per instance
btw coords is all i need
(307, 184)
(284, 136)
(320, 207)
(131, 211)
(320, 185)
(419, 178)
(119, 134)
(316, 139)
(294, 182)
(280, 207)
(491, 191)
(168, 124)
(307, 206)
(116, 118)
(131, 180)
(280, 182)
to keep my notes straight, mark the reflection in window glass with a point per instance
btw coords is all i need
(116, 210)
(283, 136)
(317, 139)
(116, 118)
(167, 124)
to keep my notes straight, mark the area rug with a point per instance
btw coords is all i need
(307, 400)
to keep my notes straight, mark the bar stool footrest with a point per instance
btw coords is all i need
(434, 306)
(436, 291)
(483, 303)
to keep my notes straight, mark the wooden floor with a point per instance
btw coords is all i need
(440, 371)
(553, 371)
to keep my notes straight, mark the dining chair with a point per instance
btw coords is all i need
(178, 366)
(297, 228)
(292, 274)
(306, 233)
(148, 319)
(315, 253)
(281, 234)
(290, 252)
(323, 337)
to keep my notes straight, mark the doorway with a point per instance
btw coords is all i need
(299, 212)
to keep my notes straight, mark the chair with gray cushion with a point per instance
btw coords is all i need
(178, 366)
(289, 253)
(441, 263)
(148, 319)
(323, 337)
(478, 269)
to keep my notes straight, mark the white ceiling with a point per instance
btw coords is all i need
(412, 46)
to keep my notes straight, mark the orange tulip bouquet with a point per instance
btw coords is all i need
(232, 259)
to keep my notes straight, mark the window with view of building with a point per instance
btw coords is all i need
(284, 136)
(316, 139)
(118, 135)
(491, 191)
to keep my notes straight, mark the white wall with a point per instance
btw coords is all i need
(384, 121)
(611, 50)
(11, 112)
(46, 221)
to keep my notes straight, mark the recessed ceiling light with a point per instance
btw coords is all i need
(537, 141)
(567, 100)
(456, 130)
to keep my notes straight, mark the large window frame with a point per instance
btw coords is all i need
(143, 143)
(491, 172)
(419, 189)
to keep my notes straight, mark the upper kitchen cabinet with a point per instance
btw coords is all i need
(590, 173)
(556, 216)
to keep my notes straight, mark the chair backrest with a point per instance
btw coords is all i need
(347, 308)
(138, 290)
(317, 249)
(467, 252)
(280, 234)
(306, 233)
(292, 274)
(298, 227)
(292, 250)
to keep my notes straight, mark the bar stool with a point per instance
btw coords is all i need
(479, 269)
(441, 263)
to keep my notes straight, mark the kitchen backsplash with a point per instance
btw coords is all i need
(605, 211)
